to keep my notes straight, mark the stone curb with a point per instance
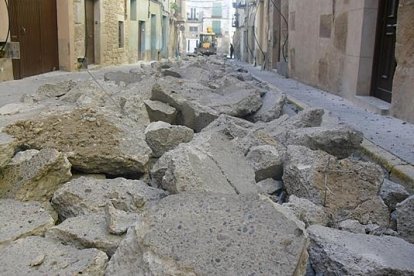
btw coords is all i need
(399, 170)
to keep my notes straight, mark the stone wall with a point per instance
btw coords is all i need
(331, 44)
(403, 86)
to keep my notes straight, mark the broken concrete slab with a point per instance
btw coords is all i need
(22, 219)
(356, 227)
(405, 219)
(162, 137)
(7, 148)
(201, 105)
(34, 175)
(393, 193)
(230, 126)
(41, 256)
(95, 141)
(122, 77)
(267, 161)
(213, 234)
(118, 221)
(50, 91)
(340, 142)
(159, 111)
(270, 186)
(208, 163)
(272, 108)
(88, 195)
(307, 211)
(348, 189)
(335, 252)
(87, 231)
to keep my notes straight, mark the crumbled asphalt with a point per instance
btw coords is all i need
(391, 134)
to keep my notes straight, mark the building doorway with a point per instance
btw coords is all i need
(141, 40)
(153, 37)
(384, 57)
(34, 26)
(90, 31)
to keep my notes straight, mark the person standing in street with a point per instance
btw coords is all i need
(231, 50)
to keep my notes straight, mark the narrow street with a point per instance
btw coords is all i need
(202, 166)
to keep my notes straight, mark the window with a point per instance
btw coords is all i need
(193, 29)
(216, 27)
(217, 10)
(193, 14)
(120, 34)
(133, 15)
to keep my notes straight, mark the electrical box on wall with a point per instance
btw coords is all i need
(10, 50)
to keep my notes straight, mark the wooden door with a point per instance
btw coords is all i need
(34, 26)
(384, 58)
(90, 31)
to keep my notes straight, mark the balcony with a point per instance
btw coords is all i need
(239, 4)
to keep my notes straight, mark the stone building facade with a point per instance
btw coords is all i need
(106, 32)
(345, 47)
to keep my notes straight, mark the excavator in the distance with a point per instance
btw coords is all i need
(208, 43)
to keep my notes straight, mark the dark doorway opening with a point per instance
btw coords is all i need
(90, 31)
(141, 40)
(384, 57)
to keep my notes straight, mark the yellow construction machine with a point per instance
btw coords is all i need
(208, 43)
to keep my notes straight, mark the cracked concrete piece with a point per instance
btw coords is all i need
(335, 252)
(159, 111)
(348, 189)
(162, 137)
(405, 219)
(272, 107)
(88, 195)
(7, 148)
(95, 141)
(199, 105)
(267, 161)
(22, 219)
(118, 221)
(230, 126)
(87, 231)
(340, 142)
(213, 234)
(208, 163)
(307, 211)
(41, 256)
(270, 186)
(393, 193)
(34, 175)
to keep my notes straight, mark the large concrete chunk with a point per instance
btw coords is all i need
(272, 107)
(40, 256)
(267, 161)
(335, 252)
(96, 142)
(230, 126)
(405, 219)
(393, 193)
(22, 219)
(162, 137)
(88, 195)
(118, 221)
(307, 211)
(7, 149)
(340, 142)
(87, 231)
(213, 234)
(347, 188)
(208, 163)
(200, 105)
(158, 111)
(34, 175)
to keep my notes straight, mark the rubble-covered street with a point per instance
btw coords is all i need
(191, 167)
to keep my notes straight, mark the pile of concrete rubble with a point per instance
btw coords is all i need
(191, 168)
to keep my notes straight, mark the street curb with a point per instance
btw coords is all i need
(399, 170)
